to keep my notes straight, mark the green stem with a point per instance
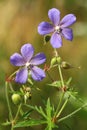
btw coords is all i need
(62, 84)
(12, 128)
(58, 112)
(12, 74)
(18, 111)
(56, 53)
(11, 87)
(21, 112)
(59, 104)
(71, 114)
(53, 66)
(61, 98)
(62, 108)
(61, 77)
(7, 98)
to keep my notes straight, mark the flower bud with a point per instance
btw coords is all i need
(27, 96)
(66, 65)
(16, 98)
(27, 89)
(59, 60)
(53, 61)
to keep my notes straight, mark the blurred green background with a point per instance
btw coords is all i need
(18, 25)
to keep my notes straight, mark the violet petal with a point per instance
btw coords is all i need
(17, 60)
(27, 51)
(56, 40)
(54, 15)
(45, 28)
(22, 75)
(38, 59)
(67, 33)
(37, 73)
(68, 20)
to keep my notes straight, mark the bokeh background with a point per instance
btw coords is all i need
(18, 25)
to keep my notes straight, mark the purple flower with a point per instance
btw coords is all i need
(28, 64)
(57, 28)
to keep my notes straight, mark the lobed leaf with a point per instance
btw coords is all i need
(28, 123)
(56, 84)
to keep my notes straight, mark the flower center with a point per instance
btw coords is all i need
(58, 29)
(27, 64)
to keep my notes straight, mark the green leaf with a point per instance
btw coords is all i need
(27, 114)
(51, 128)
(72, 94)
(69, 81)
(30, 81)
(6, 123)
(32, 107)
(48, 109)
(56, 84)
(28, 123)
(47, 114)
(47, 128)
(40, 110)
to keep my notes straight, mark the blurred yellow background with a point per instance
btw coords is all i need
(19, 20)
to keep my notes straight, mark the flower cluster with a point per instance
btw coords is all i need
(27, 61)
